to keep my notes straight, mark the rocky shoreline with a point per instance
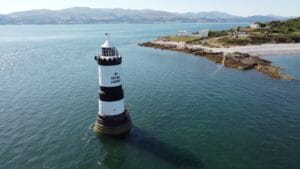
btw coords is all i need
(236, 60)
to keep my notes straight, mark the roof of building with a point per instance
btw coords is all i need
(107, 43)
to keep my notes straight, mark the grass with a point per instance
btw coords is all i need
(258, 39)
(180, 38)
(213, 34)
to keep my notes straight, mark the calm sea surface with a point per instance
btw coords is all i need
(188, 113)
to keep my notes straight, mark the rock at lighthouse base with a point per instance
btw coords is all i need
(117, 125)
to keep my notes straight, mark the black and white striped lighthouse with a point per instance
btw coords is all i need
(112, 119)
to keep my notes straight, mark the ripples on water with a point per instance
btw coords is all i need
(184, 115)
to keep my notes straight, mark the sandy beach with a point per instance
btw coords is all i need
(260, 50)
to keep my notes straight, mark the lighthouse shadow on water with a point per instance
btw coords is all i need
(115, 155)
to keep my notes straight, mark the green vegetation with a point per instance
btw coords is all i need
(291, 26)
(272, 32)
(258, 39)
(213, 34)
(180, 38)
(288, 27)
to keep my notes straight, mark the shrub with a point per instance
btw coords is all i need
(217, 33)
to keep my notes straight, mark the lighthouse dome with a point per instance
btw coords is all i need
(107, 44)
(107, 48)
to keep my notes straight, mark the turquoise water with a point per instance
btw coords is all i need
(185, 114)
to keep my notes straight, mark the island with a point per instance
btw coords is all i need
(241, 47)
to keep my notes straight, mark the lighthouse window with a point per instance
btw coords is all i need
(108, 51)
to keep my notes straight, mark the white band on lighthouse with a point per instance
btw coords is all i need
(110, 76)
(111, 108)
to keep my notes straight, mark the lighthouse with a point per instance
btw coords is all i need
(112, 118)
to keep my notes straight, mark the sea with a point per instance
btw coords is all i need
(187, 112)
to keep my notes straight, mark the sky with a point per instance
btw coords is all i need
(235, 7)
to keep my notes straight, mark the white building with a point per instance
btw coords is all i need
(182, 33)
(239, 34)
(203, 33)
(254, 25)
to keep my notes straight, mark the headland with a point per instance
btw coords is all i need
(239, 48)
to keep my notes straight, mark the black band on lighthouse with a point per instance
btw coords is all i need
(110, 61)
(111, 93)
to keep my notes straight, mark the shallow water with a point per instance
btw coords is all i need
(184, 114)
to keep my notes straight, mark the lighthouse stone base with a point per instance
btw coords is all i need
(116, 125)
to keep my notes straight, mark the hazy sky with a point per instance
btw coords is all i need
(237, 7)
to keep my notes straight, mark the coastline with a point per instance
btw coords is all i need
(237, 57)
(260, 50)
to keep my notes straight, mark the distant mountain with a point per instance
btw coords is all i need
(267, 18)
(84, 15)
(213, 15)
